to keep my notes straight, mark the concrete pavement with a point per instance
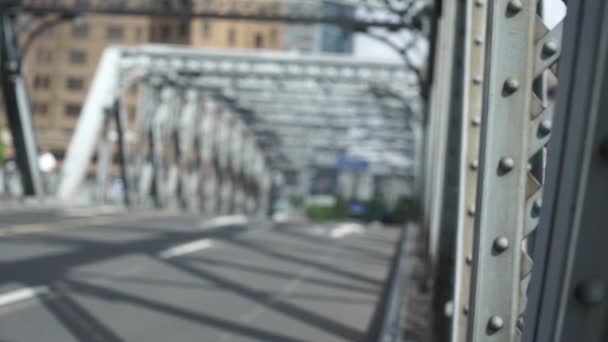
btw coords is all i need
(173, 277)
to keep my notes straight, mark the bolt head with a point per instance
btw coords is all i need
(478, 41)
(474, 165)
(591, 292)
(465, 310)
(468, 259)
(550, 48)
(511, 85)
(477, 80)
(471, 211)
(476, 121)
(501, 244)
(496, 323)
(506, 164)
(537, 206)
(480, 3)
(545, 127)
(514, 7)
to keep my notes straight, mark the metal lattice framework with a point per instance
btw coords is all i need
(205, 110)
(503, 119)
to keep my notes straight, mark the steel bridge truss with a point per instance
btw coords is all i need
(499, 196)
(216, 129)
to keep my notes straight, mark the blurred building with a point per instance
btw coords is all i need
(60, 64)
(320, 37)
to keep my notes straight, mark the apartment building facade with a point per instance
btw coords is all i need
(61, 64)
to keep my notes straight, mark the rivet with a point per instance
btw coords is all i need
(545, 127)
(550, 48)
(511, 85)
(465, 310)
(476, 121)
(496, 323)
(506, 164)
(469, 260)
(474, 165)
(591, 292)
(501, 244)
(478, 41)
(480, 3)
(477, 80)
(537, 206)
(514, 6)
(520, 323)
(471, 211)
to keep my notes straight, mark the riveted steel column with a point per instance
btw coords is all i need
(186, 128)
(499, 263)
(17, 104)
(104, 158)
(439, 125)
(469, 162)
(160, 126)
(568, 289)
(143, 168)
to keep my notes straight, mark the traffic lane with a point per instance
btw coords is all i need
(338, 314)
(152, 296)
(39, 258)
(104, 262)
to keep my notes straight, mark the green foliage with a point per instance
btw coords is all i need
(338, 211)
(296, 201)
(375, 210)
(404, 210)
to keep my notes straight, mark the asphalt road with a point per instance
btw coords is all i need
(168, 277)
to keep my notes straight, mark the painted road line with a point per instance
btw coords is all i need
(22, 295)
(186, 248)
(346, 229)
(220, 221)
(24, 229)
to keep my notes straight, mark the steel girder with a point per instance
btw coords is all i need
(473, 70)
(568, 289)
(505, 125)
(516, 126)
(17, 104)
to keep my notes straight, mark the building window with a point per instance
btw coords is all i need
(74, 83)
(42, 82)
(40, 108)
(232, 37)
(80, 29)
(78, 57)
(114, 32)
(184, 30)
(44, 56)
(73, 109)
(259, 41)
(274, 38)
(165, 32)
(207, 29)
(139, 34)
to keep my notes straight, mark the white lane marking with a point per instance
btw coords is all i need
(346, 229)
(319, 230)
(22, 295)
(228, 220)
(186, 248)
